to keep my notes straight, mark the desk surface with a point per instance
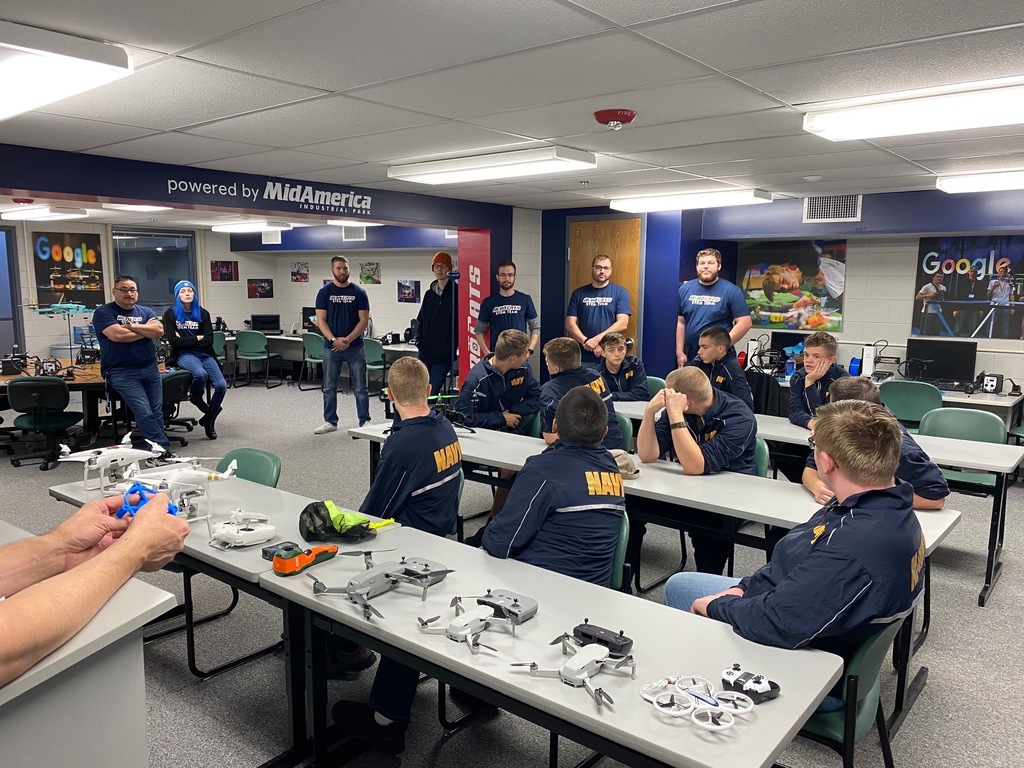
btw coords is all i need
(128, 610)
(402, 348)
(667, 641)
(86, 376)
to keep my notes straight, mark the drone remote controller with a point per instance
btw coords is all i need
(757, 687)
(616, 642)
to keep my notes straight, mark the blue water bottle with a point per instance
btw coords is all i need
(790, 367)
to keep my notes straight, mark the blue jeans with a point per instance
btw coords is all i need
(143, 392)
(438, 373)
(204, 368)
(356, 359)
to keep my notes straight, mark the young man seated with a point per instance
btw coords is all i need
(623, 374)
(808, 389)
(562, 357)
(717, 358)
(930, 487)
(417, 484)
(855, 565)
(706, 431)
(501, 389)
(565, 509)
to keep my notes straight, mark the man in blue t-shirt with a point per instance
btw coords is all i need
(126, 332)
(706, 302)
(597, 309)
(509, 310)
(342, 312)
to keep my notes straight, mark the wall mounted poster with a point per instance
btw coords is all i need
(796, 284)
(68, 269)
(409, 291)
(260, 288)
(224, 271)
(369, 272)
(300, 271)
(971, 287)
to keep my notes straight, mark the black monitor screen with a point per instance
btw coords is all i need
(783, 339)
(309, 318)
(941, 360)
(266, 323)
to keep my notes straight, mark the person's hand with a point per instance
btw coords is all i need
(700, 605)
(823, 494)
(511, 419)
(676, 404)
(599, 351)
(89, 530)
(156, 535)
(655, 404)
(810, 425)
(590, 345)
(681, 359)
(340, 345)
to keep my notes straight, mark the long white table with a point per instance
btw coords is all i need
(43, 712)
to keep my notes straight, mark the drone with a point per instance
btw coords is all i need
(185, 483)
(241, 529)
(469, 623)
(378, 579)
(586, 661)
(680, 696)
(105, 467)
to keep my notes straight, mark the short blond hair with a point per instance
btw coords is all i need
(692, 382)
(511, 343)
(862, 438)
(408, 380)
(822, 340)
(563, 353)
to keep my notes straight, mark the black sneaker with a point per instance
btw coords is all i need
(346, 665)
(356, 718)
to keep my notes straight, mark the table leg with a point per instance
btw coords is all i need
(994, 566)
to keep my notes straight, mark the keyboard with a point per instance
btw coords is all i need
(951, 386)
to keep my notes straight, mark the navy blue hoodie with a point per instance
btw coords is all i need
(727, 376)
(488, 394)
(554, 389)
(805, 401)
(630, 383)
(726, 434)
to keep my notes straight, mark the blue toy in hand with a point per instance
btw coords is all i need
(145, 494)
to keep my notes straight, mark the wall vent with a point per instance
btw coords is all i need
(451, 234)
(353, 233)
(832, 208)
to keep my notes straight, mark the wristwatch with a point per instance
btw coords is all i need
(677, 425)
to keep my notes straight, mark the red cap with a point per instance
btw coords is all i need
(442, 258)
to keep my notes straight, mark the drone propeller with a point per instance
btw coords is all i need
(455, 601)
(190, 459)
(561, 638)
(427, 622)
(712, 718)
(430, 574)
(364, 553)
(360, 599)
(531, 664)
(600, 693)
(477, 644)
(666, 702)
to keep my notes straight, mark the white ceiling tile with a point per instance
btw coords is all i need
(355, 174)
(754, 149)
(667, 188)
(862, 187)
(277, 162)
(828, 175)
(175, 148)
(638, 11)
(966, 149)
(35, 129)
(942, 137)
(173, 93)
(337, 46)
(1007, 162)
(809, 164)
(607, 180)
(568, 70)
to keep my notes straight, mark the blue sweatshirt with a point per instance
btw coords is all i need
(727, 376)
(629, 383)
(726, 434)
(805, 401)
(554, 389)
(488, 394)
(563, 513)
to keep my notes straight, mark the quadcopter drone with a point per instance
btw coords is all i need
(185, 483)
(241, 529)
(692, 696)
(105, 467)
(587, 660)
(469, 623)
(378, 579)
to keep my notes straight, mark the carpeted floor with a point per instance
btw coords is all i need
(965, 715)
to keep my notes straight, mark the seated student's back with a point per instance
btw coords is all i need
(562, 356)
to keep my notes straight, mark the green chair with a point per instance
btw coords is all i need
(312, 355)
(655, 385)
(909, 401)
(843, 729)
(254, 464)
(375, 360)
(621, 572)
(42, 402)
(762, 457)
(220, 341)
(530, 425)
(966, 424)
(1017, 433)
(626, 428)
(250, 347)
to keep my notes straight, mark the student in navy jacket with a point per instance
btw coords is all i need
(930, 487)
(562, 357)
(717, 358)
(706, 431)
(501, 389)
(623, 374)
(808, 389)
(565, 509)
(854, 566)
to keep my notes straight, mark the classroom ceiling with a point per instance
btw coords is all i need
(336, 91)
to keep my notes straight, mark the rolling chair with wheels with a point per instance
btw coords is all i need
(42, 402)
(312, 355)
(176, 387)
(250, 347)
(909, 401)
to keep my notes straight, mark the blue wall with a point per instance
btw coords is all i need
(328, 238)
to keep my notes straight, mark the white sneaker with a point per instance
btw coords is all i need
(324, 428)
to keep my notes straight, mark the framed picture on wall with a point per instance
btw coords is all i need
(369, 272)
(224, 271)
(260, 288)
(300, 271)
(409, 291)
(68, 268)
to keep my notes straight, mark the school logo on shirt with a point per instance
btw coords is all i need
(517, 381)
(629, 374)
(507, 309)
(448, 456)
(705, 301)
(598, 386)
(343, 298)
(187, 325)
(818, 530)
(719, 379)
(597, 301)
(917, 564)
(604, 483)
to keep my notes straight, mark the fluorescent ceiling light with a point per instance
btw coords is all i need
(253, 225)
(137, 208)
(689, 201)
(44, 213)
(981, 182)
(39, 67)
(924, 111)
(501, 165)
(352, 223)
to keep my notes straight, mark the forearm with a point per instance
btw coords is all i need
(739, 329)
(619, 326)
(920, 502)
(811, 480)
(573, 327)
(484, 351)
(148, 330)
(688, 452)
(358, 331)
(680, 336)
(28, 562)
(120, 333)
(647, 441)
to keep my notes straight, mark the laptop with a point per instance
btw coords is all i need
(268, 324)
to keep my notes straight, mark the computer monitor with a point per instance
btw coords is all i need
(783, 339)
(266, 323)
(309, 319)
(931, 359)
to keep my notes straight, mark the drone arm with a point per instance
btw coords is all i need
(545, 672)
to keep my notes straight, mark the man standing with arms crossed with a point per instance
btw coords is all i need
(342, 312)
(706, 302)
(510, 310)
(597, 309)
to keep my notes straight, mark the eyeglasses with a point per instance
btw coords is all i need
(127, 290)
(810, 441)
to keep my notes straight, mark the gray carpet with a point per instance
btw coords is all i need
(964, 716)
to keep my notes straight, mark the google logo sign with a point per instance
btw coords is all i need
(82, 255)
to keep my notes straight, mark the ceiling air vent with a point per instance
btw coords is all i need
(353, 233)
(832, 208)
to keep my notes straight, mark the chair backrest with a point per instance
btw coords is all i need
(964, 424)
(909, 401)
(762, 457)
(655, 385)
(251, 343)
(38, 394)
(176, 385)
(374, 351)
(866, 661)
(313, 346)
(626, 428)
(220, 340)
(619, 576)
(530, 425)
(254, 464)
(767, 394)
(458, 502)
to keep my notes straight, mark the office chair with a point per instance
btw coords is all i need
(626, 428)
(250, 347)
(176, 387)
(42, 402)
(655, 385)
(965, 424)
(909, 401)
(375, 360)
(312, 355)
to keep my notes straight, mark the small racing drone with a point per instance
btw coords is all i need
(587, 660)
(469, 623)
(694, 697)
(378, 579)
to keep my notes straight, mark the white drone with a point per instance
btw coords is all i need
(241, 529)
(497, 606)
(692, 696)
(586, 662)
(105, 467)
(184, 480)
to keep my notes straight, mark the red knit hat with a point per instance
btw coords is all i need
(442, 258)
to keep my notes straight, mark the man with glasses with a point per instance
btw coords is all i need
(597, 309)
(437, 319)
(126, 331)
(510, 310)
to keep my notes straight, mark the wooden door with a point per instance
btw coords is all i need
(619, 239)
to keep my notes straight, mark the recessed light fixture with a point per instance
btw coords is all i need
(691, 200)
(981, 182)
(929, 110)
(136, 208)
(501, 165)
(44, 213)
(253, 225)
